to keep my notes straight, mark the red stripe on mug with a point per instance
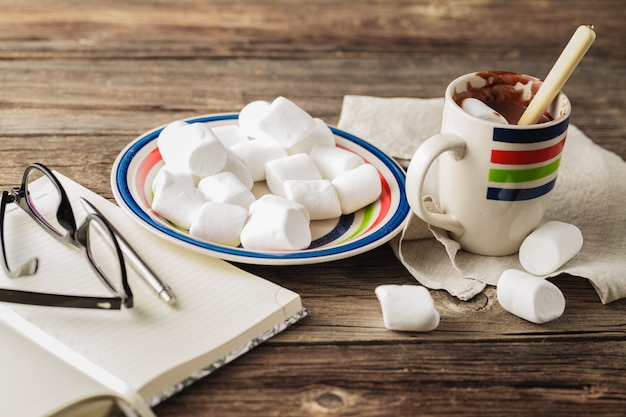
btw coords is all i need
(526, 157)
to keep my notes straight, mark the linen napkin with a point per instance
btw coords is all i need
(590, 193)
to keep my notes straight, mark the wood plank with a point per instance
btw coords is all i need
(402, 378)
(289, 28)
(74, 97)
(356, 315)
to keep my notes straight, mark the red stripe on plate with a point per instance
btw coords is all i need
(143, 170)
(385, 202)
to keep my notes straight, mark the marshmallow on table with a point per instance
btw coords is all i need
(357, 188)
(285, 123)
(333, 161)
(407, 308)
(317, 196)
(276, 226)
(234, 165)
(219, 223)
(294, 167)
(176, 200)
(479, 109)
(250, 115)
(256, 153)
(225, 187)
(320, 135)
(191, 147)
(549, 247)
(530, 297)
(229, 135)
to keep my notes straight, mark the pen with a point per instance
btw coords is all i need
(162, 289)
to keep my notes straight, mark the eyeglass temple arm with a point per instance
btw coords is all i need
(27, 268)
(60, 300)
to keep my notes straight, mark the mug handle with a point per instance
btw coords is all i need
(416, 173)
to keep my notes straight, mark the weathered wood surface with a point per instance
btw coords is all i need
(78, 81)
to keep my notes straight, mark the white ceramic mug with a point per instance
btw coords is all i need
(494, 180)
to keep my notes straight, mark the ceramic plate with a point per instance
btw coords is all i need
(348, 235)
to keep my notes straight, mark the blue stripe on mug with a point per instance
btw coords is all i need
(519, 194)
(530, 135)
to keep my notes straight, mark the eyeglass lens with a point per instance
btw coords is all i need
(102, 253)
(43, 198)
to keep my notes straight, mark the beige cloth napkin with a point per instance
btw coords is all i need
(590, 193)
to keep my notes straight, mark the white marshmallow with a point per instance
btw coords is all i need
(320, 135)
(183, 176)
(333, 161)
(250, 115)
(230, 135)
(234, 165)
(225, 187)
(191, 147)
(210, 156)
(530, 297)
(269, 202)
(176, 200)
(317, 196)
(169, 140)
(278, 229)
(407, 308)
(479, 109)
(285, 123)
(219, 223)
(549, 247)
(172, 129)
(358, 187)
(294, 167)
(256, 153)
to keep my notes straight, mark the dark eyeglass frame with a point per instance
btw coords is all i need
(76, 236)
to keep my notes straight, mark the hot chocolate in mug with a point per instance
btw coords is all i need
(494, 179)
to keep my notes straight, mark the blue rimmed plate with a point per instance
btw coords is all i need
(348, 235)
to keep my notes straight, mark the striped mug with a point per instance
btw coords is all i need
(494, 179)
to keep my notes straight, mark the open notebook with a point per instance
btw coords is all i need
(55, 357)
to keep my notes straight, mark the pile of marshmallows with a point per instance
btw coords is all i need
(205, 186)
(524, 294)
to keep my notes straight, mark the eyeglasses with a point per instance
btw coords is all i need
(43, 198)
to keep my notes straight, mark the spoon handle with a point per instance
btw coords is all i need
(559, 74)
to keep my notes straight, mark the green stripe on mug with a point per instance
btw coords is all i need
(523, 175)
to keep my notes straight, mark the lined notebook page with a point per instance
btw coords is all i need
(153, 345)
(43, 377)
(43, 383)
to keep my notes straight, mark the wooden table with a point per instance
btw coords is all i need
(79, 80)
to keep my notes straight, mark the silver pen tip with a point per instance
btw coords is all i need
(167, 296)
